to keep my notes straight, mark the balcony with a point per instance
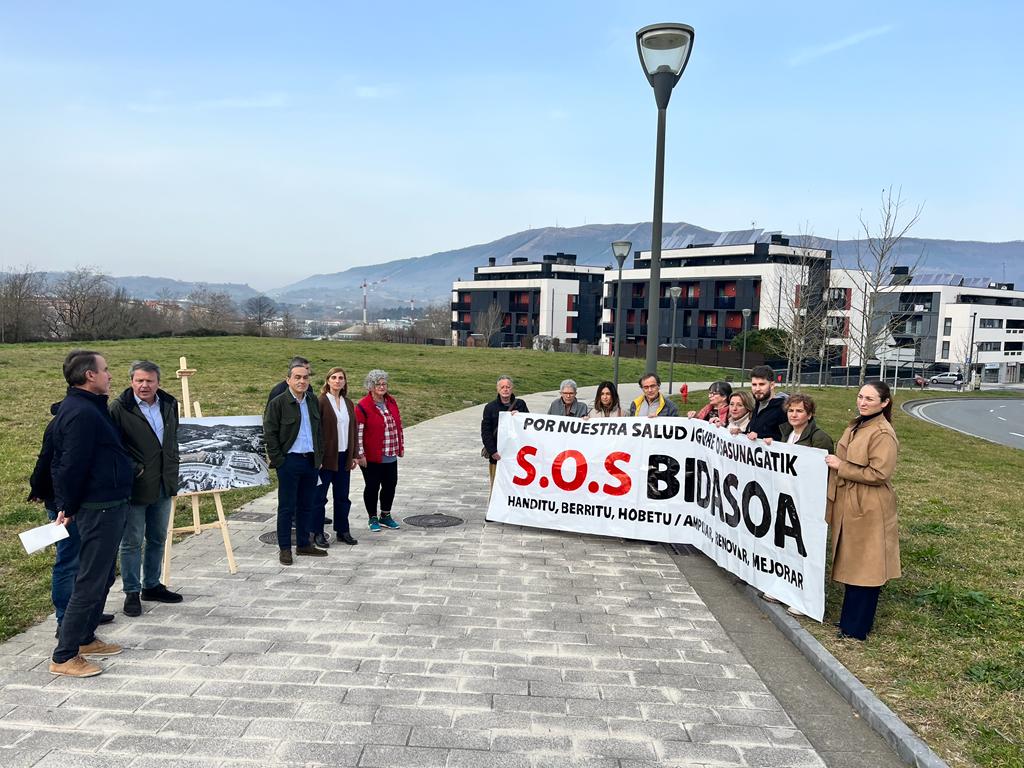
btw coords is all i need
(638, 302)
(707, 332)
(519, 307)
(725, 302)
(607, 328)
(460, 306)
(732, 333)
(461, 326)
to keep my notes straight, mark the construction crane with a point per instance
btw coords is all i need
(365, 286)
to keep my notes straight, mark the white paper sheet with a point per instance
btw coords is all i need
(35, 539)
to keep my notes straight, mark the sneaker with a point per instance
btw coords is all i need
(285, 557)
(161, 594)
(132, 604)
(389, 522)
(374, 524)
(75, 667)
(311, 551)
(99, 648)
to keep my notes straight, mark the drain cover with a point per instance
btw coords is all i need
(433, 521)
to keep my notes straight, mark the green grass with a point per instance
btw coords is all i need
(946, 654)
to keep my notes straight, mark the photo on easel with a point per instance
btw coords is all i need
(220, 453)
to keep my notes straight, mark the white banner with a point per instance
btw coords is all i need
(756, 510)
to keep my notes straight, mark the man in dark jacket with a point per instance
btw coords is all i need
(148, 419)
(65, 564)
(291, 425)
(505, 401)
(92, 482)
(769, 409)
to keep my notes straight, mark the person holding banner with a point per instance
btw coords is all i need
(862, 509)
(567, 404)
(606, 402)
(801, 429)
(652, 403)
(381, 443)
(504, 401)
(717, 409)
(741, 408)
(770, 408)
(338, 431)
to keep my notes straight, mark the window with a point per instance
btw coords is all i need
(989, 322)
(945, 348)
(570, 302)
(947, 328)
(1015, 324)
(989, 346)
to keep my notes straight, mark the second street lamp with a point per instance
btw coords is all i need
(664, 51)
(743, 365)
(675, 291)
(620, 249)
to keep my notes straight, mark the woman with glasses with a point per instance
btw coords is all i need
(380, 444)
(717, 409)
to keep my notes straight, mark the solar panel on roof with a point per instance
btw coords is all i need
(739, 237)
(977, 282)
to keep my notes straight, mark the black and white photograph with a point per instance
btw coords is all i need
(219, 453)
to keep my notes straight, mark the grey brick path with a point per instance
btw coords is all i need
(472, 646)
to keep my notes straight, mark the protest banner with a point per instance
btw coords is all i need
(756, 510)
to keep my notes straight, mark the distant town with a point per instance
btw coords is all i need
(221, 457)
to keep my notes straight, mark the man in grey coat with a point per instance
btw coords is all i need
(567, 404)
(147, 417)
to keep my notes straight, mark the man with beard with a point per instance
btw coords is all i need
(769, 408)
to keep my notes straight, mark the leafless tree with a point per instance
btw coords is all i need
(289, 325)
(258, 311)
(877, 253)
(436, 323)
(211, 310)
(22, 305)
(489, 324)
(79, 304)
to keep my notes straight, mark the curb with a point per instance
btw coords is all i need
(883, 721)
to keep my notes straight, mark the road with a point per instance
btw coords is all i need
(1000, 421)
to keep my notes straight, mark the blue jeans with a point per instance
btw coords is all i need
(146, 524)
(296, 492)
(65, 567)
(338, 481)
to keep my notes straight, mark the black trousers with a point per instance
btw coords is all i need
(859, 606)
(100, 531)
(379, 480)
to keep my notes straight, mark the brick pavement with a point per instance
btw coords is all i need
(478, 646)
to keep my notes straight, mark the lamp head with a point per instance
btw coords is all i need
(675, 291)
(621, 249)
(664, 52)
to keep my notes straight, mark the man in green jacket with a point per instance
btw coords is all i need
(291, 425)
(147, 417)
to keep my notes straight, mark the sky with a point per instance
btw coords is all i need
(263, 142)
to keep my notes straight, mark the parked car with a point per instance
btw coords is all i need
(946, 378)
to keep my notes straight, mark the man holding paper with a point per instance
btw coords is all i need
(92, 482)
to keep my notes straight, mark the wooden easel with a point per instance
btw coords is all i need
(192, 408)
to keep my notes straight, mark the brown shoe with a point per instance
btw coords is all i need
(75, 667)
(98, 648)
(311, 551)
(285, 557)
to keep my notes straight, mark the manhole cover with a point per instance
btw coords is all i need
(433, 521)
(684, 549)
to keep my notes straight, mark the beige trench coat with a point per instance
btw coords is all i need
(862, 506)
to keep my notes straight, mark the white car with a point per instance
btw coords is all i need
(946, 378)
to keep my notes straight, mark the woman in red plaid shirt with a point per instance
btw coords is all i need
(380, 444)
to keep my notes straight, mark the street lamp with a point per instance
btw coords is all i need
(664, 51)
(675, 291)
(620, 249)
(743, 363)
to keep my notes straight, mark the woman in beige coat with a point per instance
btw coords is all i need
(862, 509)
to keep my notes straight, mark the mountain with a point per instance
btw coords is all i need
(147, 288)
(428, 279)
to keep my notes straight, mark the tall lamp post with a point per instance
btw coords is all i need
(664, 51)
(743, 363)
(675, 292)
(620, 249)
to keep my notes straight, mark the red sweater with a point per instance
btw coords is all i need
(372, 421)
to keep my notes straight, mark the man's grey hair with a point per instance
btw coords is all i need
(568, 384)
(373, 377)
(299, 362)
(146, 366)
(503, 378)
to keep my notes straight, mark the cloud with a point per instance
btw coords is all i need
(158, 104)
(374, 92)
(806, 55)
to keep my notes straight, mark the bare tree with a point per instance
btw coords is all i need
(289, 325)
(488, 324)
(78, 303)
(878, 314)
(211, 311)
(22, 305)
(436, 322)
(258, 311)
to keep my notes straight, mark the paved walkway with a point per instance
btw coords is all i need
(472, 646)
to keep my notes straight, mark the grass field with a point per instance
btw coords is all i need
(948, 651)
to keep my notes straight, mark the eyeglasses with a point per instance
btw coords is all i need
(650, 386)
